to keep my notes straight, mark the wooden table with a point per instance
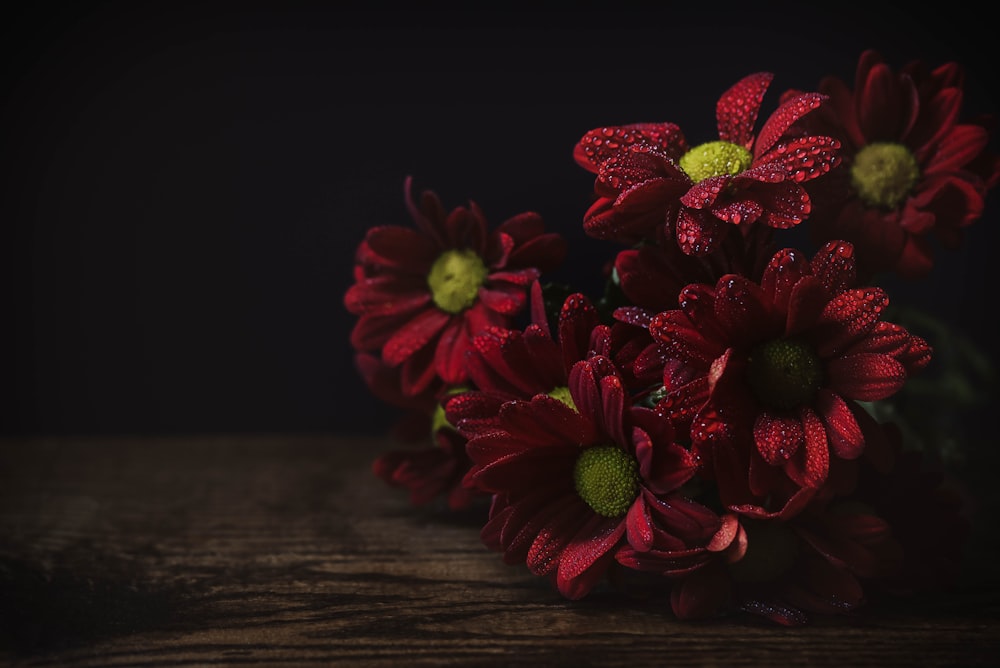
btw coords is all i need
(285, 550)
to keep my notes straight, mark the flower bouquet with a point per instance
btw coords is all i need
(721, 421)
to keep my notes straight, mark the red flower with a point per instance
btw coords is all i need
(505, 364)
(648, 178)
(651, 278)
(573, 483)
(427, 471)
(421, 295)
(930, 512)
(778, 565)
(782, 364)
(431, 472)
(911, 171)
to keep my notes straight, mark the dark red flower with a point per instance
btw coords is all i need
(783, 364)
(912, 172)
(576, 477)
(651, 277)
(432, 462)
(782, 566)
(421, 295)
(506, 364)
(930, 513)
(648, 177)
(431, 472)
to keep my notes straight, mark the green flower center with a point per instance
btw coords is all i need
(715, 158)
(772, 548)
(883, 174)
(455, 278)
(607, 478)
(439, 420)
(784, 374)
(563, 395)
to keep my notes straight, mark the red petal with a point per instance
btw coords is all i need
(545, 252)
(555, 535)
(786, 204)
(805, 158)
(865, 376)
(742, 309)
(403, 248)
(845, 436)
(503, 298)
(737, 108)
(639, 527)
(962, 145)
(371, 332)
(414, 335)
(783, 117)
(741, 209)
(847, 317)
(548, 422)
(835, 266)
(587, 557)
(805, 306)
(680, 338)
(385, 296)
(529, 517)
(599, 144)
(577, 319)
(777, 437)
(450, 354)
(809, 468)
(417, 372)
(879, 104)
(663, 467)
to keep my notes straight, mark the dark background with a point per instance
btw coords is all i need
(184, 185)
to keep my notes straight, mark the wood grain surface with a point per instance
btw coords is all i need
(285, 550)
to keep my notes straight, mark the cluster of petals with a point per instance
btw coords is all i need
(538, 516)
(746, 416)
(432, 462)
(508, 364)
(641, 188)
(651, 276)
(915, 112)
(781, 565)
(398, 317)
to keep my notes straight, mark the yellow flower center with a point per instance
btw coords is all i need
(455, 278)
(439, 420)
(784, 374)
(563, 395)
(607, 479)
(883, 174)
(715, 158)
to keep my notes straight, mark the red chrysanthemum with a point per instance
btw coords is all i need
(431, 472)
(433, 461)
(650, 278)
(649, 178)
(782, 364)
(421, 295)
(506, 364)
(573, 483)
(930, 513)
(782, 566)
(912, 172)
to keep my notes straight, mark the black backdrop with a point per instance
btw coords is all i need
(184, 185)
